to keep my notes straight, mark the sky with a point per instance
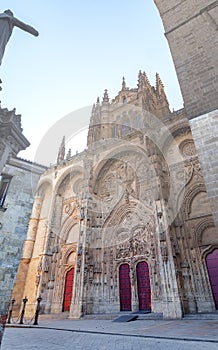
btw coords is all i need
(83, 47)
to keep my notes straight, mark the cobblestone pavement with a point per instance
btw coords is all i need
(105, 334)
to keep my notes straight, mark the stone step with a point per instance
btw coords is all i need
(150, 316)
(202, 316)
(59, 316)
(101, 316)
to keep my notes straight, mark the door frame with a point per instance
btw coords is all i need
(65, 278)
(137, 284)
(207, 253)
(130, 285)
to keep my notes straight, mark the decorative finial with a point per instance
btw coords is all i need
(140, 80)
(98, 100)
(105, 98)
(61, 152)
(145, 76)
(158, 81)
(124, 84)
(68, 154)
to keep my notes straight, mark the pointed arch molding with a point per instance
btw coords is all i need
(115, 155)
(44, 185)
(201, 227)
(178, 129)
(121, 211)
(190, 194)
(67, 252)
(72, 171)
(66, 227)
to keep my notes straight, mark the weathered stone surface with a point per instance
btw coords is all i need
(191, 31)
(135, 195)
(14, 221)
(205, 133)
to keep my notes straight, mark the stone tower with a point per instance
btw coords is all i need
(191, 30)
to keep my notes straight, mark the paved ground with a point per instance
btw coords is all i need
(105, 335)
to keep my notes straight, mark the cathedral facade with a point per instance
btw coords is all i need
(126, 225)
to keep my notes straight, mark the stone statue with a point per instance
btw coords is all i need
(7, 23)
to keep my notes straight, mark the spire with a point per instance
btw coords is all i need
(145, 79)
(160, 88)
(159, 84)
(161, 96)
(105, 98)
(61, 152)
(140, 81)
(124, 84)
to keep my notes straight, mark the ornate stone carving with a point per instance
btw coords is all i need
(164, 252)
(187, 148)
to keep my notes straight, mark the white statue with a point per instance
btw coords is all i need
(7, 23)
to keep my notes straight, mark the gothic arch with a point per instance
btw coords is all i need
(43, 185)
(174, 131)
(200, 228)
(208, 250)
(113, 156)
(139, 259)
(73, 171)
(44, 191)
(190, 193)
(67, 253)
(66, 227)
(123, 209)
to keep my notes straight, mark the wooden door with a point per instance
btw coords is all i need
(68, 290)
(144, 289)
(125, 288)
(212, 267)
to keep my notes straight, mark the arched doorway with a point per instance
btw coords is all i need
(212, 267)
(68, 290)
(125, 288)
(144, 289)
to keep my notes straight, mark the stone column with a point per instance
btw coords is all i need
(32, 229)
(171, 302)
(21, 278)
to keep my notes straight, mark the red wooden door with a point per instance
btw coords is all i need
(144, 289)
(68, 290)
(212, 267)
(125, 288)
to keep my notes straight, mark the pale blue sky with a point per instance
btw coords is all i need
(84, 47)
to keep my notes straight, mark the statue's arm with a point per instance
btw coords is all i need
(25, 27)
